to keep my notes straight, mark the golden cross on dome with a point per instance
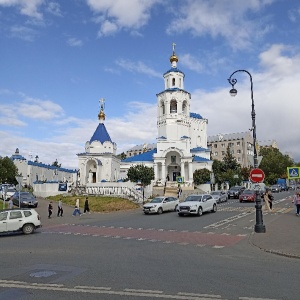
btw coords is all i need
(173, 47)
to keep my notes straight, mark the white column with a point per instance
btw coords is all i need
(163, 170)
(182, 169)
(190, 172)
(155, 172)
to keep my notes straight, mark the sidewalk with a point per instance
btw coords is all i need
(281, 237)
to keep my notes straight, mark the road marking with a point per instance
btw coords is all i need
(81, 289)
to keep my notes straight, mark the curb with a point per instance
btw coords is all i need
(280, 253)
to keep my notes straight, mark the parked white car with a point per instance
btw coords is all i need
(7, 191)
(197, 204)
(24, 220)
(160, 204)
(220, 196)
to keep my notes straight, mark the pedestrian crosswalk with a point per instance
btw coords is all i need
(282, 210)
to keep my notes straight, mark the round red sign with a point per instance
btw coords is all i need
(257, 175)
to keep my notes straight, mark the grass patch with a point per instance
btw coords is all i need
(97, 203)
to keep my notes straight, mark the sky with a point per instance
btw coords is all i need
(59, 58)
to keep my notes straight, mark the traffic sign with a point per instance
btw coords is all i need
(257, 175)
(293, 172)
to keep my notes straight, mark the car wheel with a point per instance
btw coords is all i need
(214, 208)
(200, 211)
(28, 228)
(159, 211)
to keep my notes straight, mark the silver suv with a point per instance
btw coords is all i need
(24, 220)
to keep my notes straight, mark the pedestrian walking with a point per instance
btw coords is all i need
(86, 206)
(10, 203)
(179, 191)
(50, 208)
(267, 201)
(60, 210)
(297, 203)
(77, 208)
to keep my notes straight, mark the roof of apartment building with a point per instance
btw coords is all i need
(228, 137)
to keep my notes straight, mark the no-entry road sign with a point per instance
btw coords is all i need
(257, 175)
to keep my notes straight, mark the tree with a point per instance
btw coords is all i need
(274, 164)
(141, 173)
(56, 164)
(8, 171)
(201, 176)
(230, 161)
(227, 170)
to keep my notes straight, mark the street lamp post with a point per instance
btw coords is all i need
(259, 226)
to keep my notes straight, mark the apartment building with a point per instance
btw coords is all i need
(240, 144)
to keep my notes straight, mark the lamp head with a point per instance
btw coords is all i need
(233, 92)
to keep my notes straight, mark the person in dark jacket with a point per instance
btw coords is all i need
(50, 208)
(86, 206)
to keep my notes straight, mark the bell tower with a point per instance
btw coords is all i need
(173, 104)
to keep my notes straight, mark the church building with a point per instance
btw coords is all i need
(181, 143)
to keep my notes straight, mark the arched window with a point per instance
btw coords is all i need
(162, 107)
(184, 107)
(173, 106)
(173, 81)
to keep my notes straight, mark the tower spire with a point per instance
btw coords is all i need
(101, 115)
(173, 57)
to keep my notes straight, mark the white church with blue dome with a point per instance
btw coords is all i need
(181, 143)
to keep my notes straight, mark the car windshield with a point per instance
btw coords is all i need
(216, 193)
(235, 188)
(248, 192)
(193, 198)
(157, 200)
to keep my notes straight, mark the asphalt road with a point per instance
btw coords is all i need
(129, 255)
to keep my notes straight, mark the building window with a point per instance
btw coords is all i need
(173, 81)
(216, 153)
(232, 151)
(173, 159)
(238, 143)
(173, 106)
(223, 152)
(215, 145)
(223, 145)
(239, 151)
(239, 159)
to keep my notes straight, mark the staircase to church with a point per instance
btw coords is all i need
(171, 191)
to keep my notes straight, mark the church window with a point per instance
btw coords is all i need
(173, 159)
(162, 108)
(173, 81)
(173, 106)
(184, 107)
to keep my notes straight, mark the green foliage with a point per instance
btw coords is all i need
(274, 164)
(228, 170)
(230, 161)
(8, 171)
(141, 173)
(56, 164)
(201, 176)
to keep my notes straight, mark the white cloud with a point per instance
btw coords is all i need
(137, 67)
(40, 109)
(27, 7)
(120, 14)
(23, 33)
(54, 9)
(74, 42)
(227, 19)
